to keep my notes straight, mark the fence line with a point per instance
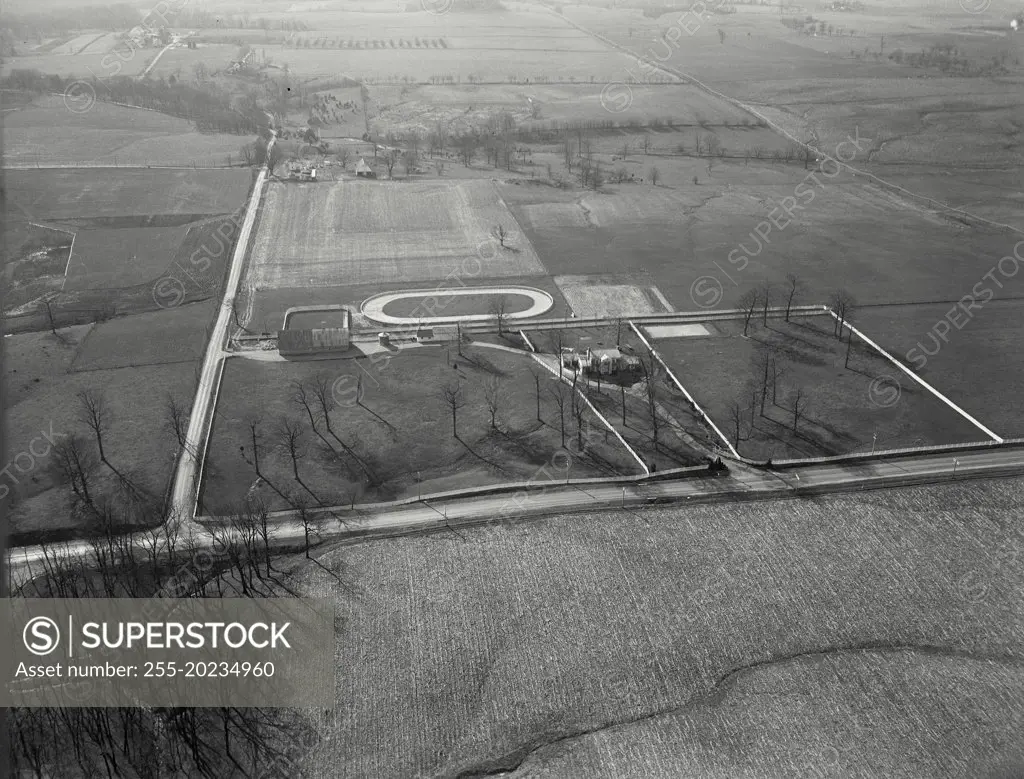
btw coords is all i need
(689, 397)
(917, 378)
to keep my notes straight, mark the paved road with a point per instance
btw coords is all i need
(556, 498)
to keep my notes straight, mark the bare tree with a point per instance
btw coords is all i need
(794, 287)
(536, 384)
(75, 462)
(650, 369)
(494, 396)
(799, 408)
(497, 308)
(646, 144)
(736, 418)
(766, 296)
(390, 160)
(654, 174)
(95, 413)
(843, 305)
(343, 156)
(501, 233)
(558, 393)
(748, 303)
(291, 434)
(53, 325)
(455, 398)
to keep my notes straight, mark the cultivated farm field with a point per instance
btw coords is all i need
(368, 232)
(852, 635)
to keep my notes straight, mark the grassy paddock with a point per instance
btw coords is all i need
(844, 407)
(402, 430)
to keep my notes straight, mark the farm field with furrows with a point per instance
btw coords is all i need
(974, 365)
(47, 133)
(397, 440)
(375, 232)
(839, 409)
(792, 637)
(43, 377)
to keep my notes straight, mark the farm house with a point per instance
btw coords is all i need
(311, 342)
(609, 361)
(364, 171)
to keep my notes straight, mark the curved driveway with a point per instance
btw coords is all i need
(373, 307)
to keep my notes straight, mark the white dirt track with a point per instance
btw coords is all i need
(373, 307)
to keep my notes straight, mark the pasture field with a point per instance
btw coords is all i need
(111, 259)
(828, 88)
(368, 232)
(41, 382)
(845, 407)
(177, 335)
(86, 65)
(401, 432)
(133, 198)
(125, 271)
(974, 366)
(661, 642)
(847, 233)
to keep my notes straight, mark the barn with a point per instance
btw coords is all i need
(363, 170)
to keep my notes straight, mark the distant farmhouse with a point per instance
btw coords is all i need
(364, 171)
(606, 362)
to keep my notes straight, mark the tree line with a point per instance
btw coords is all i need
(210, 109)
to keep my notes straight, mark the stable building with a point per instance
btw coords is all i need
(313, 341)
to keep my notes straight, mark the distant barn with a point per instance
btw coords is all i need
(309, 342)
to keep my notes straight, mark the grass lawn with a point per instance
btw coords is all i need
(401, 432)
(845, 407)
(878, 634)
(461, 305)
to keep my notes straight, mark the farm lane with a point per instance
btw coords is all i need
(183, 491)
(433, 513)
